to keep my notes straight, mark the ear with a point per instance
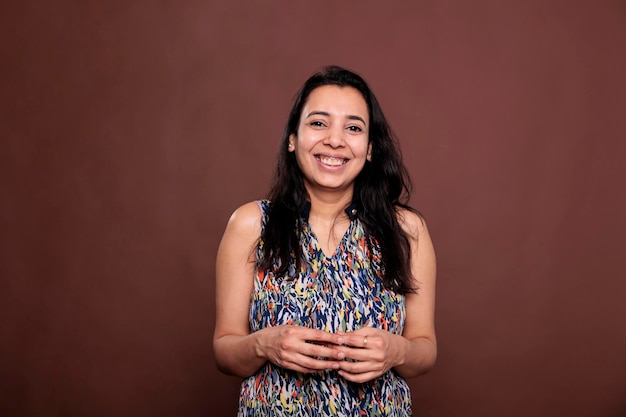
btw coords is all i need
(292, 143)
(369, 152)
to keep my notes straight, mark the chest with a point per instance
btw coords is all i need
(342, 292)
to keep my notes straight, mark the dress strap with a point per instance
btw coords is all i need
(264, 207)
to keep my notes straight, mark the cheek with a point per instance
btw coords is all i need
(361, 147)
(309, 137)
(300, 154)
(307, 143)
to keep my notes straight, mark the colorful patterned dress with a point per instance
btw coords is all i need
(338, 293)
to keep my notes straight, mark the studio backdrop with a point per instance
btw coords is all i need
(131, 130)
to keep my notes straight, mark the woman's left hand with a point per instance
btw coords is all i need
(369, 353)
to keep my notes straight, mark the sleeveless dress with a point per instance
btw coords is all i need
(339, 293)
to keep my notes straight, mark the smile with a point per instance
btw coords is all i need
(331, 160)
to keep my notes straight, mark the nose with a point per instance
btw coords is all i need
(335, 137)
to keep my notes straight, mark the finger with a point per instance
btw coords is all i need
(304, 363)
(354, 353)
(361, 338)
(298, 368)
(361, 367)
(359, 378)
(322, 351)
(321, 337)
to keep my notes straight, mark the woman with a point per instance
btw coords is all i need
(325, 291)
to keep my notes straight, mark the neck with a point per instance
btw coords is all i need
(329, 205)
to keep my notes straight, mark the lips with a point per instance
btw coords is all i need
(331, 160)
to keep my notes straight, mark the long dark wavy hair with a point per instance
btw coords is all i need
(380, 189)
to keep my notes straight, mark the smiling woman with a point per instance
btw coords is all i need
(331, 143)
(325, 291)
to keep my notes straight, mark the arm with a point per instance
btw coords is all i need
(237, 351)
(419, 331)
(232, 342)
(414, 353)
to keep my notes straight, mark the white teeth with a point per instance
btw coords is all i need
(329, 160)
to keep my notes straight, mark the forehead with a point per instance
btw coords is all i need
(336, 100)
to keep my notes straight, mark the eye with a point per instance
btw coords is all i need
(355, 129)
(316, 123)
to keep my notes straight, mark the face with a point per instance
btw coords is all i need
(331, 144)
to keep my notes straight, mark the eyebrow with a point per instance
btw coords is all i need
(323, 113)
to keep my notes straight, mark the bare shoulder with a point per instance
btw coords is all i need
(412, 223)
(248, 214)
(245, 221)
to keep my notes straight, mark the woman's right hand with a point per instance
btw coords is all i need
(299, 348)
(238, 351)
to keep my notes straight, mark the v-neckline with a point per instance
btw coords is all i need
(318, 246)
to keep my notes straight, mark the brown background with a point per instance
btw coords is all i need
(131, 130)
